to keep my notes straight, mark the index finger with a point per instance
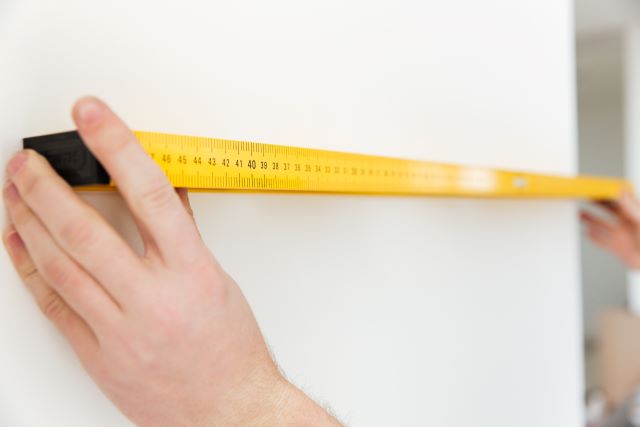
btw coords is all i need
(141, 182)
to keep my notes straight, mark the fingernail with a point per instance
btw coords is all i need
(90, 112)
(11, 192)
(16, 163)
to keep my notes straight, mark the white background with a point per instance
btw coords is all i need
(394, 311)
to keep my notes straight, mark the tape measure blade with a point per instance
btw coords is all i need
(212, 164)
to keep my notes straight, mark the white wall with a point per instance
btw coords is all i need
(601, 152)
(395, 311)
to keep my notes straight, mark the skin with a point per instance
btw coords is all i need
(620, 234)
(167, 335)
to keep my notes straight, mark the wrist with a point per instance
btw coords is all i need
(295, 408)
(275, 401)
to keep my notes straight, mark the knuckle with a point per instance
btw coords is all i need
(28, 272)
(212, 279)
(52, 306)
(79, 232)
(219, 289)
(216, 288)
(120, 144)
(158, 197)
(58, 273)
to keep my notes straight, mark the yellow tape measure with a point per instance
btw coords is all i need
(210, 164)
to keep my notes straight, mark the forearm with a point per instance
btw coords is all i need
(264, 399)
(298, 409)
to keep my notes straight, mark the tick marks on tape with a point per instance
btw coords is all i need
(212, 164)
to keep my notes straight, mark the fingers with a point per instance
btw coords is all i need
(599, 231)
(626, 209)
(76, 227)
(150, 248)
(607, 239)
(609, 206)
(65, 277)
(593, 221)
(142, 183)
(610, 237)
(183, 194)
(601, 237)
(50, 303)
(630, 208)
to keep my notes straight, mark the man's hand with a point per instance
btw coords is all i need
(168, 336)
(621, 235)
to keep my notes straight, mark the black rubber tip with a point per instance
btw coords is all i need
(69, 157)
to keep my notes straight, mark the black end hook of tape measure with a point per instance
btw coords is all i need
(69, 157)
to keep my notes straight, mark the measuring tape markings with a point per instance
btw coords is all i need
(211, 164)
